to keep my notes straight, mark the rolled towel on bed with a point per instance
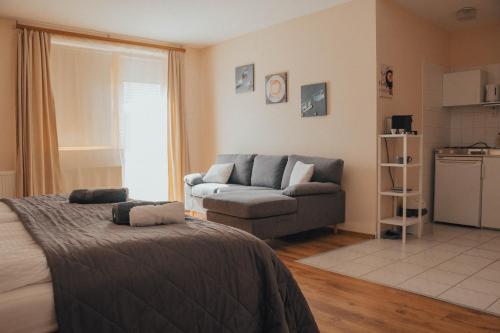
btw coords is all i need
(99, 196)
(149, 215)
(121, 211)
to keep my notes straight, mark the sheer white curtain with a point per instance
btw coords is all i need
(111, 116)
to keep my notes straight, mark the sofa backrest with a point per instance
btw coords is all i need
(268, 170)
(242, 171)
(325, 169)
(274, 170)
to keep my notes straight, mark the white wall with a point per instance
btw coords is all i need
(436, 129)
(336, 46)
(475, 47)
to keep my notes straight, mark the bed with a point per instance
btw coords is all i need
(67, 267)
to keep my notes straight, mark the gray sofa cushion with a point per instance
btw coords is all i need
(268, 170)
(312, 188)
(325, 169)
(242, 170)
(251, 204)
(202, 190)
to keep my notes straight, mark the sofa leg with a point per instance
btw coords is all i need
(335, 229)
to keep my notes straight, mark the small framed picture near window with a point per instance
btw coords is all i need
(313, 100)
(276, 88)
(386, 81)
(244, 78)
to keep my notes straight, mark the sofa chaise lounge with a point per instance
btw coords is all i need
(259, 199)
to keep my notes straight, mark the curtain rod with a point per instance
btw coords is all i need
(101, 38)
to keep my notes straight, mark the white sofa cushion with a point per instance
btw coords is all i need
(219, 173)
(301, 173)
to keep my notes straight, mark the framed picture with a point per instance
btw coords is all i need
(313, 100)
(276, 88)
(386, 81)
(244, 78)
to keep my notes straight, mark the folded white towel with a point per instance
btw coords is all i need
(148, 215)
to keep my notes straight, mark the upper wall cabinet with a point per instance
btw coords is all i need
(464, 88)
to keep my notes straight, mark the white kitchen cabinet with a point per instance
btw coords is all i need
(464, 88)
(491, 193)
(457, 191)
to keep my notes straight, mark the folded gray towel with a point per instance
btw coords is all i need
(121, 211)
(99, 196)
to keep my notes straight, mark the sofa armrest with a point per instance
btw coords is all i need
(194, 179)
(312, 188)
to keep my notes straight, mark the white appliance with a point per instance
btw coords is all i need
(457, 191)
(492, 93)
(491, 192)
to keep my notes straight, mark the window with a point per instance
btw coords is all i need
(111, 112)
(143, 124)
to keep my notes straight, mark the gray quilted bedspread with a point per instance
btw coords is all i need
(192, 277)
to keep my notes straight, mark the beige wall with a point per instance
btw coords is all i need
(8, 42)
(407, 41)
(475, 47)
(337, 46)
(198, 119)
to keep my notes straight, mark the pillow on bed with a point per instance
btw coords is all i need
(219, 173)
(301, 173)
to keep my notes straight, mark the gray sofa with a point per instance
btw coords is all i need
(259, 200)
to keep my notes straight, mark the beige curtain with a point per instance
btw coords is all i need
(37, 168)
(177, 142)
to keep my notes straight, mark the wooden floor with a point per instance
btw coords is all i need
(343, 304)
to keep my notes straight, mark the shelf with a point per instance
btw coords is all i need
(399, 165)
(400, 135)
(398, 220)
(399, 194)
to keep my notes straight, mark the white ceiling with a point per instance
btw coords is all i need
(442, 12)
(188, 22)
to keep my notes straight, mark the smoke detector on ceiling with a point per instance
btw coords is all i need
(466, 14)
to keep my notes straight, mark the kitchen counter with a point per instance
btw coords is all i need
(469, 155)
(489, 152)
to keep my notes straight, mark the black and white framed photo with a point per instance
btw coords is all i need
(244, 78)
(313, 100)
(386, 81)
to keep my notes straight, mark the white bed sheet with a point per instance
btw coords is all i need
(28, 309)
(26, 295)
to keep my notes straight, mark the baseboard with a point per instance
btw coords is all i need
(359, 228)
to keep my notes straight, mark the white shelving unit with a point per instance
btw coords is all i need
(402, 221)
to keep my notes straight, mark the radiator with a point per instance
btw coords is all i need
(7, 184)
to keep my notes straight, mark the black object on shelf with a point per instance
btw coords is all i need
(410, 212)
(402, 122)
(392, 234)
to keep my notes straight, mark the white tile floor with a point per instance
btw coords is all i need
(455, 264)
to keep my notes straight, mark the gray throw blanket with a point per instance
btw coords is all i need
(191, 277)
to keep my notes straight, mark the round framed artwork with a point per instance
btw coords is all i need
(276, 88)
